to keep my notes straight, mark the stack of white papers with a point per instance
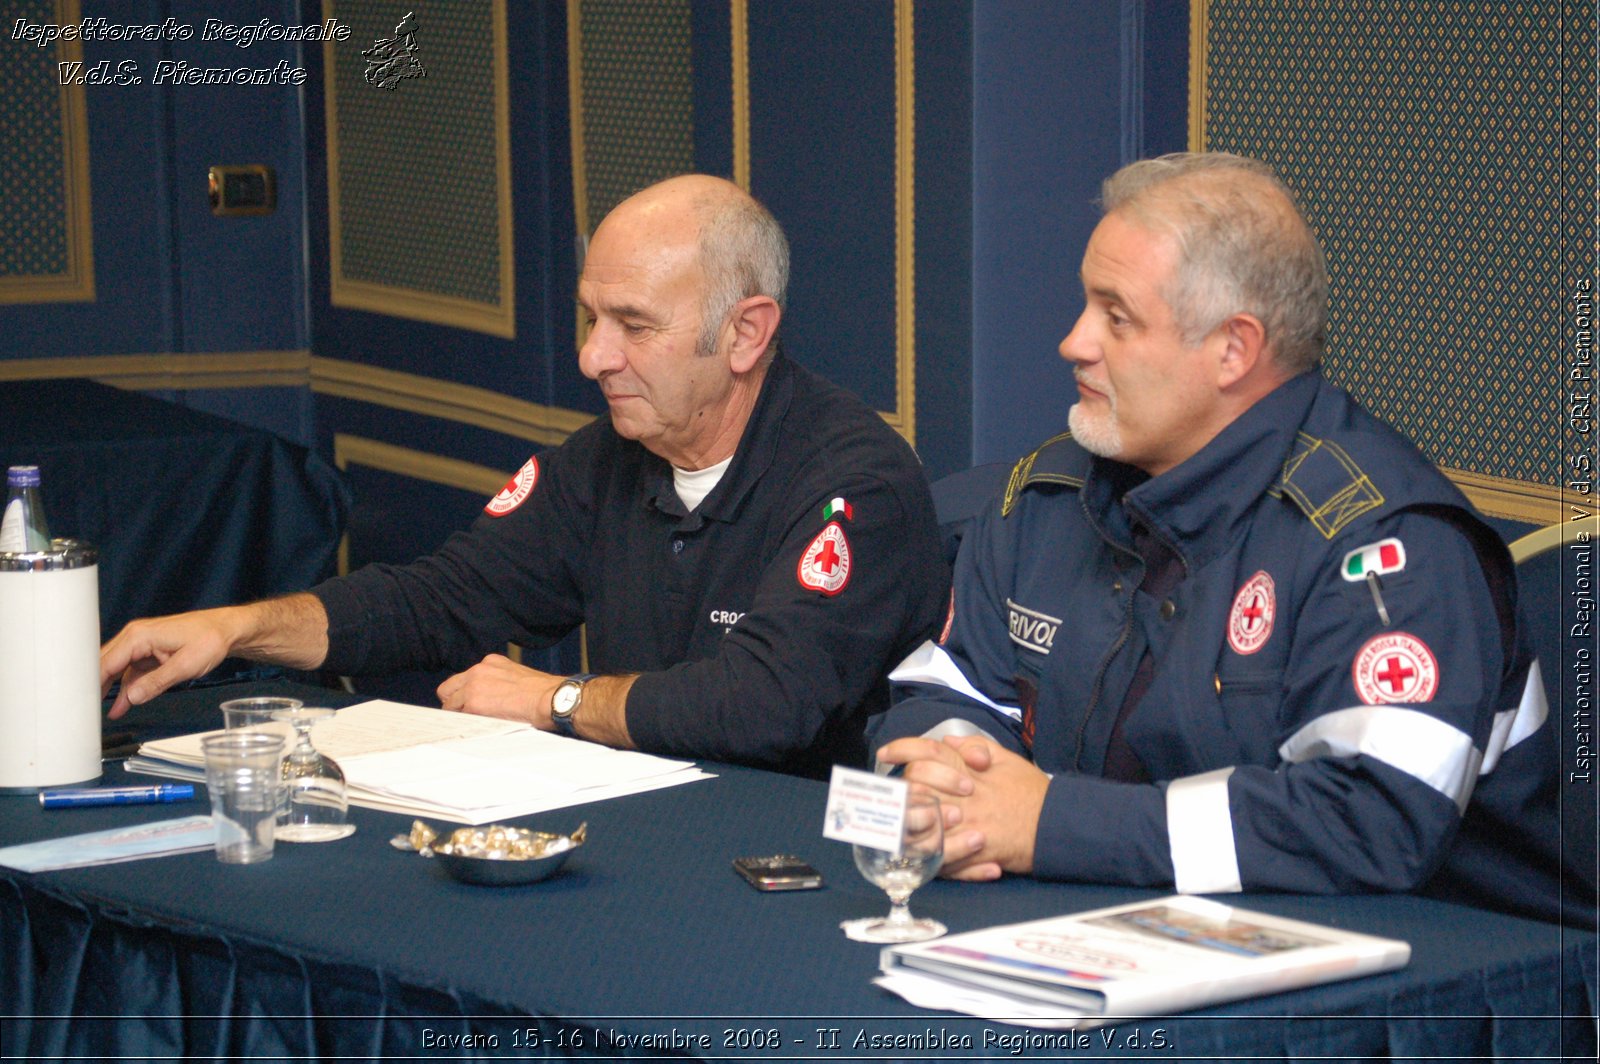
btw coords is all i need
(453, 766)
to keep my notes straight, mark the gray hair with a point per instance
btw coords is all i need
(743, 253)
(1243, 245)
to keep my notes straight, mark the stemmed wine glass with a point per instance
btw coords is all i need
(314, 801)
(901, 872)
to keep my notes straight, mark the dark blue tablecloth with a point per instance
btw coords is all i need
(358, 949)
(187, 509)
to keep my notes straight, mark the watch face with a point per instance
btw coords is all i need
(566, 698)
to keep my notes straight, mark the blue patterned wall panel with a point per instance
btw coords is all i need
(1435, 147)
(46, 251)
(633, 99)
(419, 169)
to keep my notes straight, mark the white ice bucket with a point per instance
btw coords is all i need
(49, 667)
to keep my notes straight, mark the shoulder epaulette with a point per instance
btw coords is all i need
(1030, 470)
(1327, 485)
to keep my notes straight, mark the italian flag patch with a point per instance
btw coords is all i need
(1379, 559)
(838, 508)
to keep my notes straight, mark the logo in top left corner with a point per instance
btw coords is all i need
(516, 491)
(391, 60)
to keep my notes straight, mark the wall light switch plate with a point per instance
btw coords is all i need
(242, 189)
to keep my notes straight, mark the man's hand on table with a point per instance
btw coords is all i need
(500, 687)
(153, 654)
(991, 796)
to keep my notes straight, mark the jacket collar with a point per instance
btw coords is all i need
(1199, 505)
(751, 459)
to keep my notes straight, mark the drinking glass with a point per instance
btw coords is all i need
(242, 776)
(314, 800)
(254, 712)
(901, 872)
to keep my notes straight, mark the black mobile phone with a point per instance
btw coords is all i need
(781, 871)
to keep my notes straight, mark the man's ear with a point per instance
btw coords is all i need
(1244, 347)
(754, 322)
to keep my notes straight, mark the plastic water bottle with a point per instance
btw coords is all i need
(23, 528)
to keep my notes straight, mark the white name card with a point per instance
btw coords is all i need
(865, 809)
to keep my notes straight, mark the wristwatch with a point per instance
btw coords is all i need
(565, 702)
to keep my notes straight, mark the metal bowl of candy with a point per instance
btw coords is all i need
(495, 855)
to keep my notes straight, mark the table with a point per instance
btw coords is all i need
(187, 509)
(647, 942)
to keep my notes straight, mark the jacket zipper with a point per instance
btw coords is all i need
(1127, 624)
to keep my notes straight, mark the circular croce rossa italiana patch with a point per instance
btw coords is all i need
(516, 491)
(1250, 619)
(825, 565)
(1395, 667)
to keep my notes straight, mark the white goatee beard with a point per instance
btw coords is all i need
(1097, 435)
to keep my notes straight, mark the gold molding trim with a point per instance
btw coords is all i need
(580, 159)
(497, 319)
(390, 389)
(1198, 22)
(739, 48)
(414, 304)
(419, 465)
(580, 169)
(448, 401)
(76, 284)
(172, 372)
(904, 417)
(375, 454)
(1517, 500)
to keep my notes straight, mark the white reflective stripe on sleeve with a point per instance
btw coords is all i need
(958, 726)
(1438, 754)
(930, 664)
(1511, 726)
(1200, 834)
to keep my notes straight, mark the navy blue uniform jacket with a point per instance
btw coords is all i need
(1292, 736)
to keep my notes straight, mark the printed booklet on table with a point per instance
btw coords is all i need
(1150, 958)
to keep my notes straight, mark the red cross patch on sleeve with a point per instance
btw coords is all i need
(825, 565)
(516, 491)
(1395, 667)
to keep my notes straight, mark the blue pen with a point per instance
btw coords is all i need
(67, 797)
